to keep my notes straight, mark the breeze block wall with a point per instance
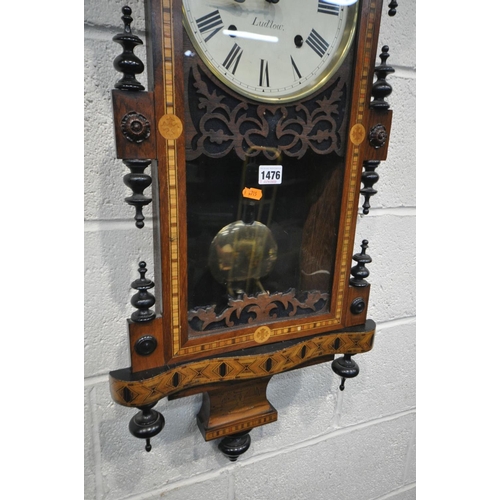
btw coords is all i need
(358, 444)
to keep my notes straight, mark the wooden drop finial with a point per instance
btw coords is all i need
(147, 424)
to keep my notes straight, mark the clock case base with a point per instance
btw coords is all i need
(234, 386)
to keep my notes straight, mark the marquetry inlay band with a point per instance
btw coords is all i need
(171, 166)
(357, 134)
(146, 390)
(170, 126)
(241, 426)
(262, 334)
(360, 105)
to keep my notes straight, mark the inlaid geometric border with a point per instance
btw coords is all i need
(171, 165)
(352, 174)
(150, 389)
(241, 426)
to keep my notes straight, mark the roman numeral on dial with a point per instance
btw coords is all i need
(210, 24)
(317, 43)
(328, 8)
(296, 72)
(264, 74)
(233, 58)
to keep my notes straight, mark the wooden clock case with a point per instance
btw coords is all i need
(229, 353)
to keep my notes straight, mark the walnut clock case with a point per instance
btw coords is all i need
(263, 123)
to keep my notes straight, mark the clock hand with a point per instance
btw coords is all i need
(231, 7)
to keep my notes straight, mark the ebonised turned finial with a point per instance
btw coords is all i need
(235, 445)
(392, 8)
(127, 19)
(381, 89)
(138, 181)
(143, 300)
(345, 367)
(147, 424)
(369, 177)
(127, 62)
(359, 271)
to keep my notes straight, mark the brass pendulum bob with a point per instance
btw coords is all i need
(242, 253)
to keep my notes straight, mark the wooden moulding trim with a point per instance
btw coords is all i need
(383, 118)
(146, 388)
(243, 425)
(178, 346)
(235, 407)
(139, 107)
(358, 122)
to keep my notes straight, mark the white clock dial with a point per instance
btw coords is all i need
(275, 52)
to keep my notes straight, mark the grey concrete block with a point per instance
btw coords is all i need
(397, 174)
(387, 378)
(178, 452)
(109, 13)
(89, 455)
(111, 261)
(103, 177)
(399, 33)
(361, 464)
(392, 247)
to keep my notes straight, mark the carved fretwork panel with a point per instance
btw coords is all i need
(218, 121)
(258, 309)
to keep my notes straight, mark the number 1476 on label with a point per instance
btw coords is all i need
(270, 174)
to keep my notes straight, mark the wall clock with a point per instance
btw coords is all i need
(263, 124)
